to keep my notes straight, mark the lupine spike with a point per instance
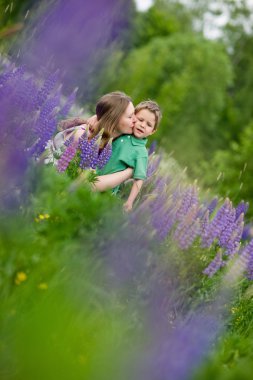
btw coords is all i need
(215, 265)
(242, 208)
(68, 104)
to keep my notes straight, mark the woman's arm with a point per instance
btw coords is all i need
(70, 123)
(137, 185)
(104, 182)
(109, 181)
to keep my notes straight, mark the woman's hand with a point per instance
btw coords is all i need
(69, 123)
(92, 123)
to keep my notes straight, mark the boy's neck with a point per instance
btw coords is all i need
(139, 138)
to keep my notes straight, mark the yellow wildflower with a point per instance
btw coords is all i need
(20, 277)
(43, 286)
(41, 217)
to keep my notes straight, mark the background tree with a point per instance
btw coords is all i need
(230, 170)
(188, 76)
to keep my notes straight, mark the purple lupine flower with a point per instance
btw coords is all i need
(160, 185)
(247, 231)
(152, 147)
(212, 205)
(69, 141)
(233, 242)
(105, 155)
(246, 259)
(12, 73)
(217, 225)
(68, 104)
(204, 224)
(29, 110)
(159, 218)
(241, 208)
(6, 74)
(188, 230)
(46, 89)
(178, 353)
(215, 265)
(153, 164)
(85, 149)
(186, 222)
(94, 156)
(228, 228)
(207, 206)
(164, 222)
(46, 123)
(187, 239)
(66, 157)
(25, 93)
(163, 214)
(189, 198)
(89, 153)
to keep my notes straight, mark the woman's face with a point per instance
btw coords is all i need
(126, 122)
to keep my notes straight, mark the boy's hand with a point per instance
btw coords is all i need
(127, 207)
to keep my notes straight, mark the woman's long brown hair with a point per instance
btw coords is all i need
(109, 110)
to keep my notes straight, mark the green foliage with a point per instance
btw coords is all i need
(11, 12)
(242, 90)
(175, 71)
(230, 171)
(56, 318)
(73, 170)
(57, 220)
(59, 313)
(233, 356)
(162, 19)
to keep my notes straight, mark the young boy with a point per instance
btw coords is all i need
(129, 151)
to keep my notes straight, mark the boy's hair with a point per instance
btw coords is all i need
(153, 107)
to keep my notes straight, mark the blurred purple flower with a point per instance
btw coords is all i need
(72, 36)
(242, 208)
(29, 112)
(217, 225)
(153, 164)
(189, 198)
(66, 157)
(246, 256)
(178, 353)
(247, 233)
(215, 265)
(152, 147)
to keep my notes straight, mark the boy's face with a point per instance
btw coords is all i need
(144, 124)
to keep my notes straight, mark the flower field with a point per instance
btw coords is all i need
(87, 291)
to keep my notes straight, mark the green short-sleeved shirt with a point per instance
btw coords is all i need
(128, 151)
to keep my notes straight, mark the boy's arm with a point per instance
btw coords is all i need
(137, 185)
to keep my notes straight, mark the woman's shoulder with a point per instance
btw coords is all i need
(76, 132)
